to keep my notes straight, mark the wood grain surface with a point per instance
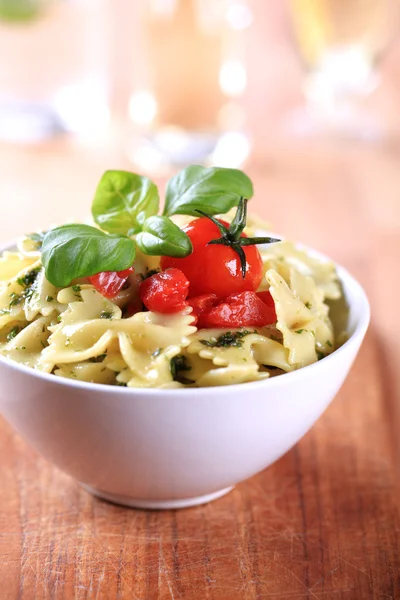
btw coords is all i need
(323, 522)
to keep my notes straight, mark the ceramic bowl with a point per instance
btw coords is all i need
(151, 448)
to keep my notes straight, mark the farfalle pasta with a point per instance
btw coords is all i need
(77, 333)
(160, 315)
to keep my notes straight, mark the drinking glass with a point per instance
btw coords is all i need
(52, 68)
(341, 43)
(189, 80)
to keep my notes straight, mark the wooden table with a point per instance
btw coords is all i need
(323, 521)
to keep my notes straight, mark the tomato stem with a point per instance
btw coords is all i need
(242, 257)
(224, 230)
(258, 240)
(232, 236)
(239, 220)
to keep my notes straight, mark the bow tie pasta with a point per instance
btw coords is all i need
(79, 333)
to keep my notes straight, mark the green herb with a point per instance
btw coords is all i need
(178, 364)
(156, 353)
(214, 190)
(121, 384)
(20, 11)
(37, 237)
(73, 251)
(228, 339)
(27, 282)
(230, 236)
(76, 288)
(29, 278)
(106, 315)
(98, 359)
(126, 204)
(49, 298)
(320, 355)
(4, 311)
(274, 338)
(329, 343)
(28, 293)
(59, 319)
(123, 201)
(16, 299)
(162, 237)
(308, 305)
(13, 333)
(300, 330)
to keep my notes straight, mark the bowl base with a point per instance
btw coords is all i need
(155, 504)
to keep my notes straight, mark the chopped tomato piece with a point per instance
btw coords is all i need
(239, 310)
(165, 292)
(109, 283)
(202, 304)
(268, 300)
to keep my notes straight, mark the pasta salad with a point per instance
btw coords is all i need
(197, 296)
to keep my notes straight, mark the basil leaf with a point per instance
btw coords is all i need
(74, 251)
(161, 237)
(214, 190)
(123, 201)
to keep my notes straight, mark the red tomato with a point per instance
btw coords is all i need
(109, 283)
(239, 310)
(202, 304)
(215, 269)
(269, 301)
(165, 292)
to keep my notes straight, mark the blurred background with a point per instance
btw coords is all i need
(302, 94)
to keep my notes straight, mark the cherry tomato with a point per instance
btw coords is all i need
(109, 283)
(239, 310)
(202, 304)
(215, 269)
(165, 292)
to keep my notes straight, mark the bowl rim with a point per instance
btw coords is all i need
(361, 326)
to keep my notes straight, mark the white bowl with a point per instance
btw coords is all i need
(151, 448)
